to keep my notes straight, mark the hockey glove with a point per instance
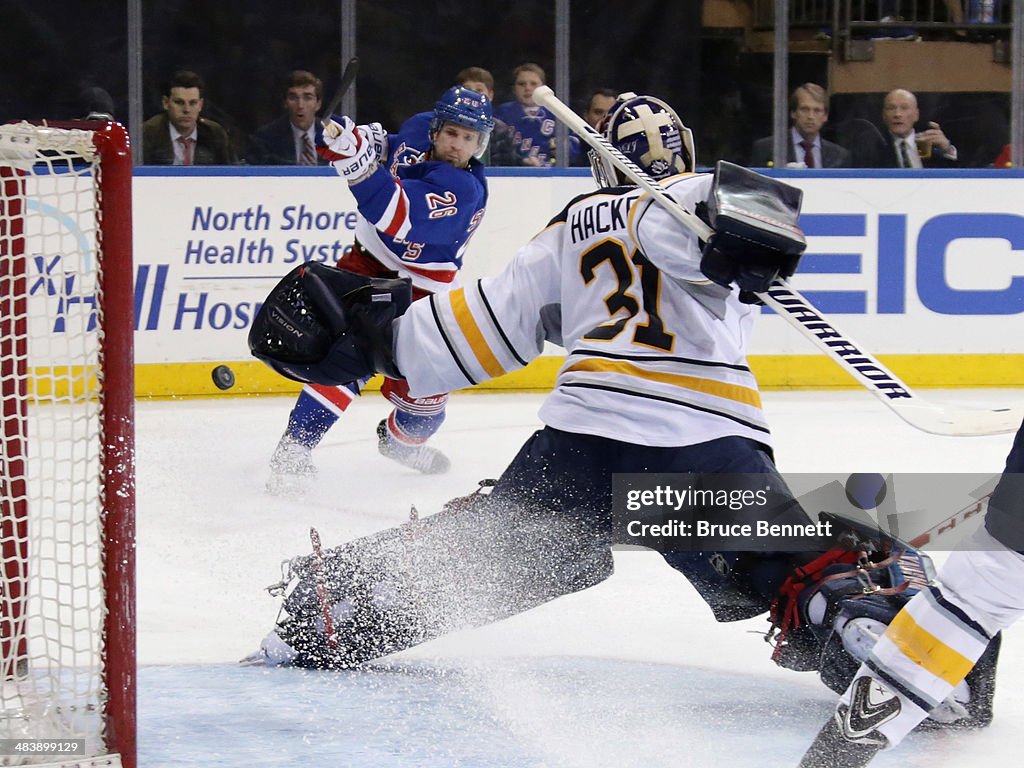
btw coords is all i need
(756, 234)
(378, 138)
(349, 150)
(329, 326)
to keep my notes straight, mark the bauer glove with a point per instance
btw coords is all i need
(348, 148)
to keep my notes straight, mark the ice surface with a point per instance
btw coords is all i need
(634, 672)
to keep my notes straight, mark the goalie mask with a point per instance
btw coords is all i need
(467, 108)
(647, 131)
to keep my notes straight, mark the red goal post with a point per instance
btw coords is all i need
(67, 471)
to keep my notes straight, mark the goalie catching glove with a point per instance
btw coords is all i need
(756, 235)
(353, 150)
(324, 325)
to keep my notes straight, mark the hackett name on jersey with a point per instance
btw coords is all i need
(600, 217)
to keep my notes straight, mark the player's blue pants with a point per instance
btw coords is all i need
(412, 421)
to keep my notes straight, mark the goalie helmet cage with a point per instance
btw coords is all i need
(67, 474)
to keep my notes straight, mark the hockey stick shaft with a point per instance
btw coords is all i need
(347, 78)
(928, 538)
(796, 310)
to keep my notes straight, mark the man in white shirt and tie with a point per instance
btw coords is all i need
(906, 147)
(291, 138)
(808, 113)
(179, 135)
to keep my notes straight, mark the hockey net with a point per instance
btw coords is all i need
(67, 616)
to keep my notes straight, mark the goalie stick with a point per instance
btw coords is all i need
(790, 305)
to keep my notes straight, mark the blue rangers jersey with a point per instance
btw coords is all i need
(533, 131)
(416, 215)
(656, 353)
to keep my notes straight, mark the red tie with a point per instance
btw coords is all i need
(808, 154)
(308, 155)
(186, 149)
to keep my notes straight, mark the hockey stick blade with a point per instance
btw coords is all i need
(867, 370)
(347, 78)
(872, 374)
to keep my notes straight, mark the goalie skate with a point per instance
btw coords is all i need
(291, 467)
(273, 652)
(834, 749)
(422, 458)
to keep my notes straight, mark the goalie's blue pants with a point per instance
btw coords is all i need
(545, 530)
(572, 474)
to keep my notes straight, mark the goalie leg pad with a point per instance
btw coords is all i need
(854, 622)
(473, 563)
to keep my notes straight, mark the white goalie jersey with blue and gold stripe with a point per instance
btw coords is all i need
(655, 352)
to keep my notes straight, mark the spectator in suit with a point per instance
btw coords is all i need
(291, 139)
(904, 146)
(500, 150)
(178, 135)
(808, 113)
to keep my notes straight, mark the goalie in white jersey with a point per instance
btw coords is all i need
(655, 380)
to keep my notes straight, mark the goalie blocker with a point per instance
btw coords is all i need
(324, 325)
(756, 236)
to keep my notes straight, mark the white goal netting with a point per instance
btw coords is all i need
(53, 598)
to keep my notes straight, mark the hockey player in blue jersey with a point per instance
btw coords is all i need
(420, 193)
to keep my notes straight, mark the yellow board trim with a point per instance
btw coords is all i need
(927, 651)
(734, 392)
(773, 372)
(473, 335)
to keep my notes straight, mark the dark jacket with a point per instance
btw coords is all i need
(274, 144)
(886, 156)
(832, 155)
(212, 144)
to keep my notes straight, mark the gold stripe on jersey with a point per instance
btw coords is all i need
(927, 651)
(734, 392)
(473, 335)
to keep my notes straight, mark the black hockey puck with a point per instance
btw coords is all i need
(223, 377)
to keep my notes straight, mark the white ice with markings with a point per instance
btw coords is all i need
(633, 672)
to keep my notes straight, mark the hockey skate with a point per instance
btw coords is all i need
(273, 652)
(291, 467)
(844, 601)
(422, 458)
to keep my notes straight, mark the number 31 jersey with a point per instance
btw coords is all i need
(656, 354)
